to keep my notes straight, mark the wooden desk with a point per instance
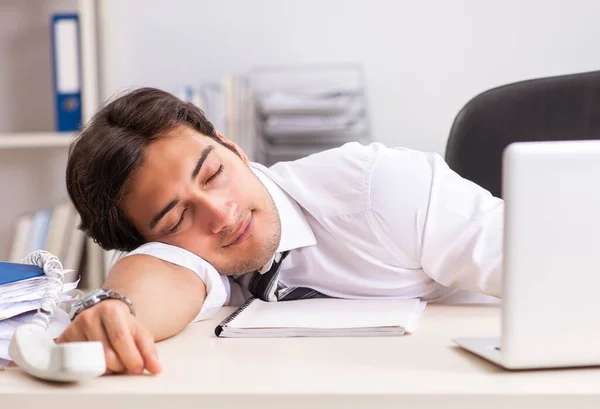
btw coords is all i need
(423, 370)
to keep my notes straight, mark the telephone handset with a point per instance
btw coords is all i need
(34, 350)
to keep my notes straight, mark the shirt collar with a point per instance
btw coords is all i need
(295, 230)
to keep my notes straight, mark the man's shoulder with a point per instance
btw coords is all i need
(331, 182)
(348, 162)
(351, 154)
(349, 151)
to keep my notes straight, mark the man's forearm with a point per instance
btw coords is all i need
(166, 297)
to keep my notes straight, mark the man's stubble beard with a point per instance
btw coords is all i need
(267, 249)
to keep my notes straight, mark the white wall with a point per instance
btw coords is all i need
(424, 59)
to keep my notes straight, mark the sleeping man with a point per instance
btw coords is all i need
(201, 227)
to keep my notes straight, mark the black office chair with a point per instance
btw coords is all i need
(546, 109)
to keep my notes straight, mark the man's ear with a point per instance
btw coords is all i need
(232, 145)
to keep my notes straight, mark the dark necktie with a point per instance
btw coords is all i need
(267, 286)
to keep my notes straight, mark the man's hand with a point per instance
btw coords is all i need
(128, 346)
(129, 340)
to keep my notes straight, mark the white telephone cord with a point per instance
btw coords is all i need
(52, 297)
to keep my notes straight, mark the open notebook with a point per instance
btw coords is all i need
(322, 317)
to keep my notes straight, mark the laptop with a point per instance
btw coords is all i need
(551, 281)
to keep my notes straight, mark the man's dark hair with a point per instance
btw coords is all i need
(110, 148)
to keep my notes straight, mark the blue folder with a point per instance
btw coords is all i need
(13, 272)
(67, 71)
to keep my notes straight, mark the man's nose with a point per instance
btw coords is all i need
(221, 215)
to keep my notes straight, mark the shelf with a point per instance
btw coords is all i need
(20, 140)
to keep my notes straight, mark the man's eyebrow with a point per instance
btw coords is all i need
(162, 213)
(201, 160)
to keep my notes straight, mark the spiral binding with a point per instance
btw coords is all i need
(233, 316)
(52, 296)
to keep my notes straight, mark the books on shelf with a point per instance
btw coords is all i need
(229, 106)
(59, 218)
(53, 229)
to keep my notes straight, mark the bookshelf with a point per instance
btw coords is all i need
(33, 157)
(33, 140)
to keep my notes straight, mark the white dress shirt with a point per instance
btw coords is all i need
(371, 221)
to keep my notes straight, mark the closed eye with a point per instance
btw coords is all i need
(175, 228)
(217, 173)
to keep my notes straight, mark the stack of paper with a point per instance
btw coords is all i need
(22, 288)
(305, 102)
(304, 111)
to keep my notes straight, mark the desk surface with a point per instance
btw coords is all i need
(424, 368)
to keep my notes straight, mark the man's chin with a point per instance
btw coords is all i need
(233, 273)
(239, 270)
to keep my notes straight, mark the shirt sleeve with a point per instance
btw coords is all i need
(217, 286)
(437, 221)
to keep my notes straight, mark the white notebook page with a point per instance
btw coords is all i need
(329, 313)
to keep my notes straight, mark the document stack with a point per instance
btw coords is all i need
(307, 110)
(22, 288)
